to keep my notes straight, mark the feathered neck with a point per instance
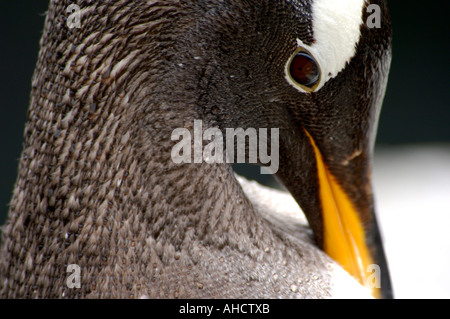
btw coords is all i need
(96, 182)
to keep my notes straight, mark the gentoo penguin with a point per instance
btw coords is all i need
(101, 209)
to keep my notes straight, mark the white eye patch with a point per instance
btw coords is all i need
(336, 30)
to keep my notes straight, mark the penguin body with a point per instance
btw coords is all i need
(97, 186)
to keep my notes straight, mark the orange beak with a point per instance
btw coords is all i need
(344, 234)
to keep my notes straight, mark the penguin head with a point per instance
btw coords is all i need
(317, 70)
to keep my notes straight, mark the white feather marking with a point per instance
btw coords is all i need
(336, 30)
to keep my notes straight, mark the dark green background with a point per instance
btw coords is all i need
(416, 108)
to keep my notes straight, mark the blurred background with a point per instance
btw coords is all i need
(412, 161)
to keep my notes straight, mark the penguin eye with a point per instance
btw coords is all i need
(304, 70)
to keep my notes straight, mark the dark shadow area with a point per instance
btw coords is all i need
(253, 172)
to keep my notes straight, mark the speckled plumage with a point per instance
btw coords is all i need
(96, 184)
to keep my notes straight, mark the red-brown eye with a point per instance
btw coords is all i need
(304, 70)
